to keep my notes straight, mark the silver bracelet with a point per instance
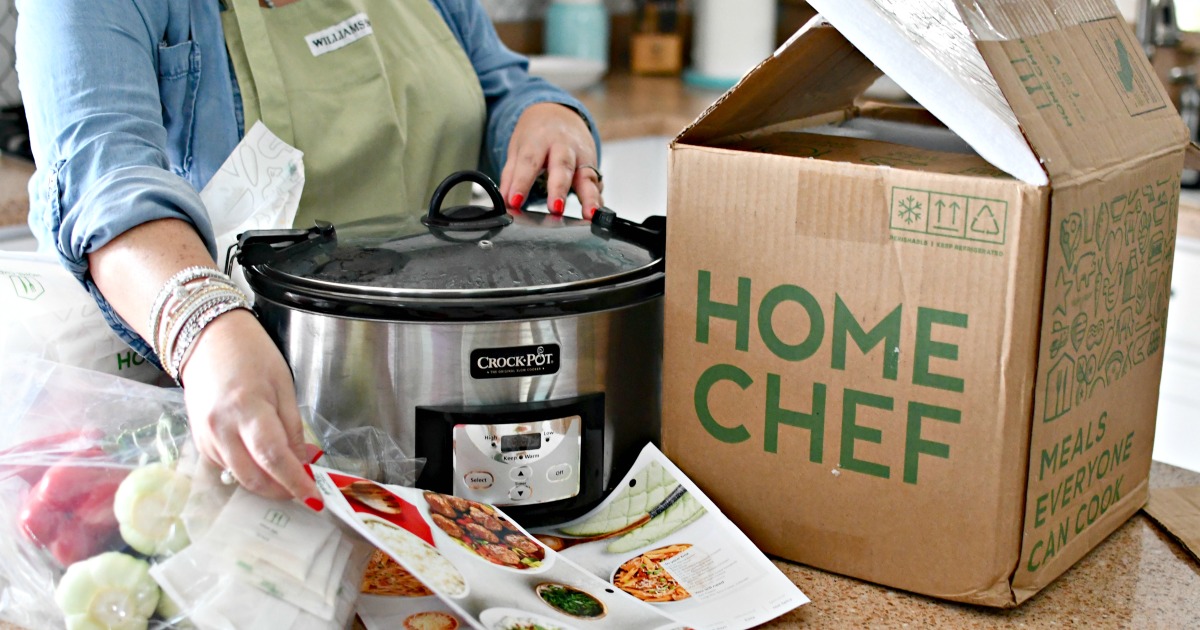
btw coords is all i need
(171, 308)
(180, 303)
(184, 323)
(184, 347)
(175, 312)
(182, 318)
(169, 290)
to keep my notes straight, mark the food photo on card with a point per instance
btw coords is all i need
(483, 566)
(658, 538)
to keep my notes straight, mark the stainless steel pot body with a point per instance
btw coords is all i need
(359, 372)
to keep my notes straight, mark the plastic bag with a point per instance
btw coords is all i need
(365, 452)
(100, 486)
(45, 313)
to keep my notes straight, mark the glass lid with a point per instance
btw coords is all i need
(458, 252)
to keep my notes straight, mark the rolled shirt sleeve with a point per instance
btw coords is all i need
(90, 77)
(504, 75)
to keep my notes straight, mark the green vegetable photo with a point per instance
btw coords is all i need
(571, 601)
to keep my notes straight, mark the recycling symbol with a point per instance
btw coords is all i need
(985, 222)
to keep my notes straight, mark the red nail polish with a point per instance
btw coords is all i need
(591, 212)
(517, 200)
(559, 206)
(314, 504)
(308, 469)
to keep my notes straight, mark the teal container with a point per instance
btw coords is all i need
(577, 28)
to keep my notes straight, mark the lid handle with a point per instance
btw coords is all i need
(467, 218)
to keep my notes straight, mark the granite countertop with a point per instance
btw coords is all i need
(1138, 577)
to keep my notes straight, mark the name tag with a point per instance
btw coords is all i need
(339, 35)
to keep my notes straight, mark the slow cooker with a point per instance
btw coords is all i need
(519, 354)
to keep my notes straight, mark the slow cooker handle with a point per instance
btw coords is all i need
(650, 234)
(467, 217)
(259, 247)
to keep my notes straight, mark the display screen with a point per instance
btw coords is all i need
(520, 442)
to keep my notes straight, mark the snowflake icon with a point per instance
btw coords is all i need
(910, 210)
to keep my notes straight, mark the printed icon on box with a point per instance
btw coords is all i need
(1125, 72)
(1060, 335)
(947, 215)
(27, 287)
(985, 223)
(1157, 248)
(910, 210)
(1060, 388)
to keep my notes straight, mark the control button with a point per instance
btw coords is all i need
(520, 492)
(520, 474)
(561, 472)
(479, 479)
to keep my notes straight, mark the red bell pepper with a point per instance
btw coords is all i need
(24, 459)
(69, 511)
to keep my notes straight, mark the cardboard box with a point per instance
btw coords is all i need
(927, 358)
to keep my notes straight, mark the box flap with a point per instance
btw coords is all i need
(1191, 158)
(1177, 510)
(926, 48)
(1077, 79)
(816, 72)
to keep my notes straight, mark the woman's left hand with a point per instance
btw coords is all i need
(552, 138)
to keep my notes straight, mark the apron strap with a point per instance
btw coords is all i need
(268, 80)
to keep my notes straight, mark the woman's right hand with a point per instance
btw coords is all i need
(239, 394)
(242, 406)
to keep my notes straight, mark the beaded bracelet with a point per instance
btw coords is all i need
(186, 341)
(187, 314)
(171, 289)
(187, 303)
(176, 307)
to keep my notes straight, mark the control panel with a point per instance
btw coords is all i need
(519, 463)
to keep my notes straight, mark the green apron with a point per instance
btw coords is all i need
(379, 96)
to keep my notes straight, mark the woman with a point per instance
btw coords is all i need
(134, 104)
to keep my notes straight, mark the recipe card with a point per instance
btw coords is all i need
(656, 553)
(658, 538)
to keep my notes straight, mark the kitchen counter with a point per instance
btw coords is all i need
(627, 106)
(1137, 578)
(14, 196)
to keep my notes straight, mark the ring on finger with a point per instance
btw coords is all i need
(599, 177)
(227, 477)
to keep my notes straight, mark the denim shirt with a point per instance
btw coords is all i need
(132, 108)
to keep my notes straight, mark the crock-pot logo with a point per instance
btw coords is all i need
(513, 362)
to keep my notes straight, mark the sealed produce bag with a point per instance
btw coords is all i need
(110, 519)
